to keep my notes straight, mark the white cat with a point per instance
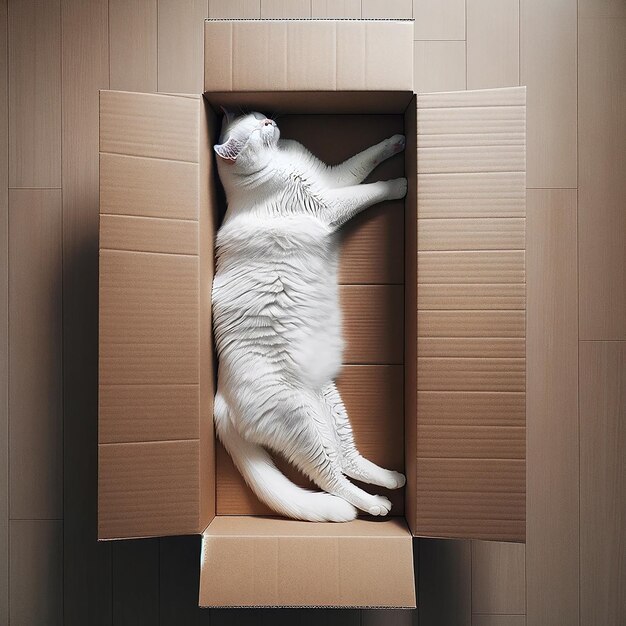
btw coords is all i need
(277, 317)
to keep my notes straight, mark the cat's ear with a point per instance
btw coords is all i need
(229, 114)
(229, 150)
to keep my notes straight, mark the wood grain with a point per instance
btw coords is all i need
(133, 45)
(492, 43)
(4, 318)
(285, 8)
(219, 9)
(387, 9)
(439, 66)
(135, 597)
(336, 8)
(552, 392)
(36, 568)
(602, 184)
(85, 57)
(179, 580)
(602, 482)
(498, 582)
(439, 19)
(548, 69)
(180, 45)
(34, 78)
(35, 350)
(444, 585)
(498, 620)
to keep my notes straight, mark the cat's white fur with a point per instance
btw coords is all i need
(277, 318)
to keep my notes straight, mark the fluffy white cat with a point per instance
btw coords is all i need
(277, 318)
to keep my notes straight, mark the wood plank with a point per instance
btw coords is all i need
(35, 354)
(492, 43)
(602, 482)
(387, 9)
(548, 69)
(133, 45)
(34, 77)
(373, 323)
(601, 8)
(439, 66)
(219, 9)
(388, 617)
(602, 184)
(4, 317)
(552, 411)
(87, 565)
(285, 8)
(36, 572)
(336, 8)
(444, 584)
(439, 19)
(471, 234)
(180, 40)
(179, 580)
(135, 582)
(498, 620)
(498, 578)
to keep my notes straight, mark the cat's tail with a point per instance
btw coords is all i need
(270, 485)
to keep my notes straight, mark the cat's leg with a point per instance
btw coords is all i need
(357, 168)
(346, 202)
(307, 441)
(352, 463)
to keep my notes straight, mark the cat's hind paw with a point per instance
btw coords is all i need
(381, 507)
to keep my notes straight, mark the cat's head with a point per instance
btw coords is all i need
(247, 140)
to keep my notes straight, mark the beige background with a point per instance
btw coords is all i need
(55, 54)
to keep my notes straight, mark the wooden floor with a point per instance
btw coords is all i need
(56, 54)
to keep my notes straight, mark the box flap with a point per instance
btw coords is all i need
(470, 370)
(308, 55)
(156, 467)
(262, 561)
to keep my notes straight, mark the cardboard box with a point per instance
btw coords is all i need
(433, 298)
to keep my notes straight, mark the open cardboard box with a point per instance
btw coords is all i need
(433, 299)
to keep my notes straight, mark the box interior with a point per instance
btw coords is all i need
(335, 126)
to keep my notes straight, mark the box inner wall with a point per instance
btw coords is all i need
(371, 280)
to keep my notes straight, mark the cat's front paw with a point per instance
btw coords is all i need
(397, 188)
(397, 143)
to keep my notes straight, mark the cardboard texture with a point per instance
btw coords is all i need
(433, 299)
(250, 561)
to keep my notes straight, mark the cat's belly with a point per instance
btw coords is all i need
(280, 310)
